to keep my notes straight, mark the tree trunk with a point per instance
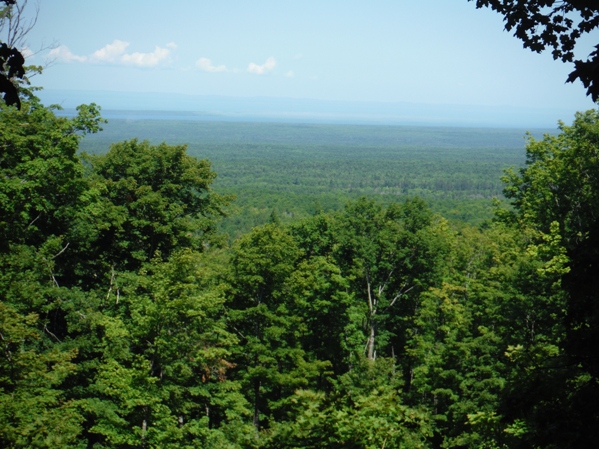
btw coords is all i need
(371, 353)
(256, 406)
(372, 328)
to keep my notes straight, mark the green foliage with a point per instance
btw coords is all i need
(560, 182)
(364, 410)
(389, 256)
(41, 178)
(300, 169)
(149, 200)
(318, 295)
(110, 337)
(556, 195)
(41, 173)
(163, 360)
(33, 409)
(126, 321)
(271, 362)
(492, 300)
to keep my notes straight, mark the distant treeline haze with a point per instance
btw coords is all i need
(297, 169)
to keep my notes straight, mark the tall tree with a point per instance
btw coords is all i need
(320, 294)
(271, 363)
(490, 327)
(383, 252)
(103, 346)
(154, 359)
(41, 179)
(146, 201)
(42, 176)
(556, 194)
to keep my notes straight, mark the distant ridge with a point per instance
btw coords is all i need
(161, 106)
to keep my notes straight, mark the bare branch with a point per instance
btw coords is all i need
(400, 294)
(49, 265)
(50, 333)
(384, 284)
(61, 251)
(370, 301)
(34, 220)
(113, 283)
(17, 27)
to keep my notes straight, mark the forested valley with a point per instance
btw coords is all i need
(295, 170)
(195, 284)
(130, 318)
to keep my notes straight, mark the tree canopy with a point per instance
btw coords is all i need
(557, 25)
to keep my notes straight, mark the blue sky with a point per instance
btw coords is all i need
(424, 51)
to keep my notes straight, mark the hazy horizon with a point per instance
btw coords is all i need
(431, 62)
(163, 106)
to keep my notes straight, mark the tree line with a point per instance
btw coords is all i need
(283, 167)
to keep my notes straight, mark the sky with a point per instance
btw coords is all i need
(426, 52)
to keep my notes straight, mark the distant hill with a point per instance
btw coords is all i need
(137, 105)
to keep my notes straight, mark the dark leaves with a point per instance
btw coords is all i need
(542, 24)
(11, 66)
(588, 73)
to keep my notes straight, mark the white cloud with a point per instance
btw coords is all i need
(264, 68)
(290, 74)
(26, 52)
(298, 56)
(110, 53)
(63, 53)
(206, 65)
(115, 53)
(147, 59)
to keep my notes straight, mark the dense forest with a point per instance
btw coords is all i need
(130, 319)
(298, 169)
(338, 287)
